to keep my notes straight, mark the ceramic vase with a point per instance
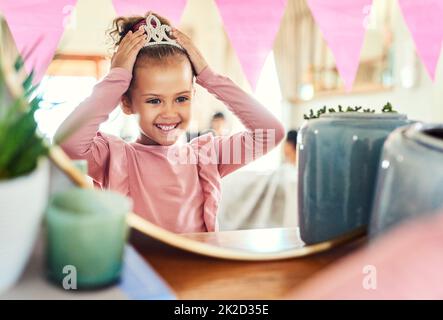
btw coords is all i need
(22, 204)
(338, 158)
(410, 180)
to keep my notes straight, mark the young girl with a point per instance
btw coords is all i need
(175, 186)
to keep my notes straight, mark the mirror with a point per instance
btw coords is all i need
(257, 215)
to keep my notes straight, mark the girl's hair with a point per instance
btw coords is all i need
(122, 25)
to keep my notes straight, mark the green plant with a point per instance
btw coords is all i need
(314, 115)
(21, 144)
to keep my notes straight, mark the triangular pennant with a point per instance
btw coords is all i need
(170, 9)
(424, 19)
(342, 23)
(251, 28)
(36, 26)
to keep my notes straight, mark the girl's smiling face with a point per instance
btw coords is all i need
(161, 96)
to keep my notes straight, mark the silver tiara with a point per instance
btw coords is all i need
(157, 33)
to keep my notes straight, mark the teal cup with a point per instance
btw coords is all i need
(86, 235)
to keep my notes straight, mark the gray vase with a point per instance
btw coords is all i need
(338, 157)
(410, 180)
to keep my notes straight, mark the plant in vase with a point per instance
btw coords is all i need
(24, 171)
(339, 152)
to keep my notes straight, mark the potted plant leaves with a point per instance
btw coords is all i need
(24, 167)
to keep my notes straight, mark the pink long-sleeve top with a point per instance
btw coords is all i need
(176, 194)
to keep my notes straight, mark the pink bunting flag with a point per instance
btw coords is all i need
(170, 9)
(342, 23)
(251, 27)
(36, 26)
(424, 19)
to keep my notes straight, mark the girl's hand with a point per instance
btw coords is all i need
(197, 60)
(128, 49)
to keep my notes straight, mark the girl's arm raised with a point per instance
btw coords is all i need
(81, 126)
(264, 131)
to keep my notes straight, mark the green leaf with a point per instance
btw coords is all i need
(21, 145)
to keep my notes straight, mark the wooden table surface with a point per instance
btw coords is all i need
(193, 276)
